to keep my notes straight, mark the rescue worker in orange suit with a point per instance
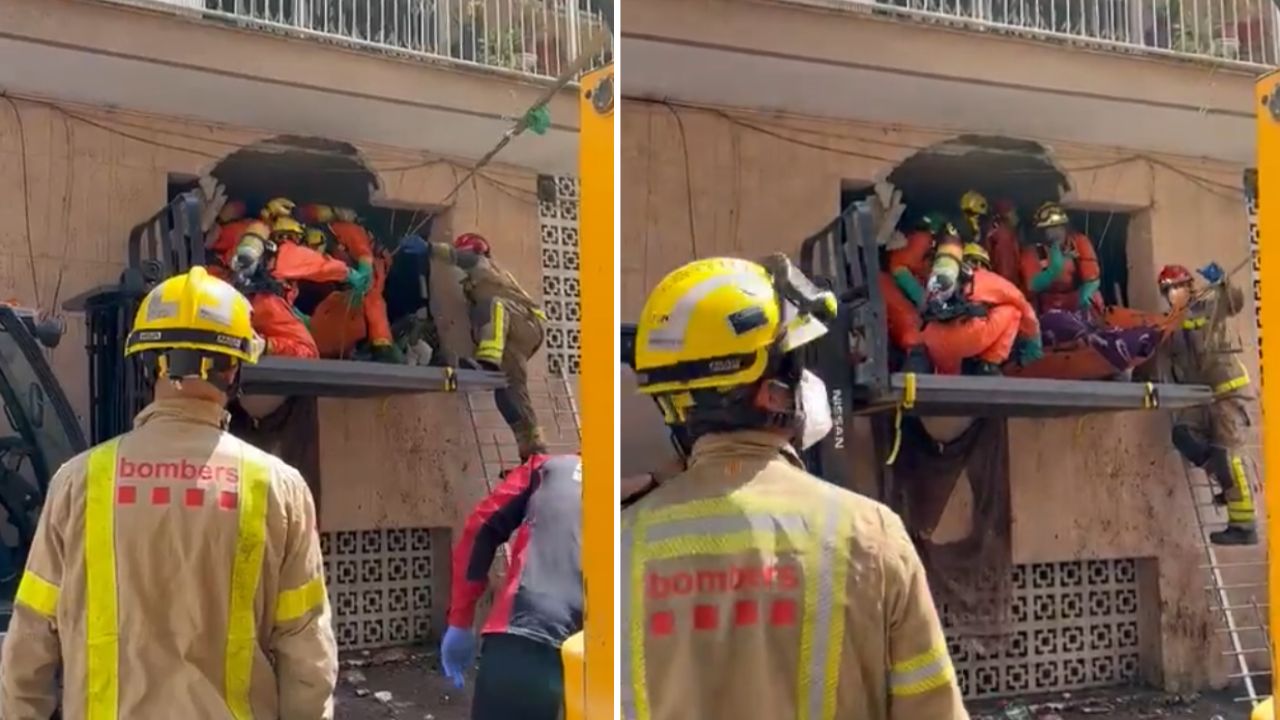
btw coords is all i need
(1204, 352)
(176, 569)
(750, 588)
(267, 270)
(1062, 276)
(976, 320)
(909, 259)
(1003, 243)
(233, 221)
(539, 603)
(1060, 271)
(508, 328)
(357, 249)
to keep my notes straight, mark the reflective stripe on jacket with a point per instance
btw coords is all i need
(1204, 349)
(753, 589)
(176, 572)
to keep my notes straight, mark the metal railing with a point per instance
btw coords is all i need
(1231, 32)
(532, 37)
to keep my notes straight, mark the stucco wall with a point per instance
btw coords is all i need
(1117, 489)
(90, 176)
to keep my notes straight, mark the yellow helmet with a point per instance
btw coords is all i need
(975, 254)
(973, 203)
(198, 312)
(288, 225)
(317, 239)
(277, 207)
(716, 323)
(1050, 214)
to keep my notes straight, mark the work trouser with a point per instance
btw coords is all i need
(274, 320)
(989, 339)
(1214, 439)
(378, 328)
(507, 338)
(518, 679)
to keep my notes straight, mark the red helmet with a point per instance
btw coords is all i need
(1174, 275)
(472, 242)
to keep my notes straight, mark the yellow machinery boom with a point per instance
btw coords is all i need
(1267, 105)
(588, 656)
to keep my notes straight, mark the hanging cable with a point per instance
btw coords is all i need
(26, 197)
(527, 119)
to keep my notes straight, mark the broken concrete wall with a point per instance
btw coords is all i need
(1099, 487)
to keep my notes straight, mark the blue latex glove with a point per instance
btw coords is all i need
(457, 653)
(413, 245)
(1028, 350)
(1087, 291)
(1212, 272)
(359, 278)
(1043, 279)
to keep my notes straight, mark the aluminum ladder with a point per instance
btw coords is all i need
(1240, 613)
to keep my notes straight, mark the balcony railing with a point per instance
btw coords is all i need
(1229, 32)
(531, 37)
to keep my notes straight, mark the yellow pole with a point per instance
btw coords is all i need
(599, 370)
(1268, 109)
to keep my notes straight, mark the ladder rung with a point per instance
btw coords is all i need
(1251, 673)
(1242, 607)
(1218, 566)
(1234, 587)
(1239, 629)
(1247, 651)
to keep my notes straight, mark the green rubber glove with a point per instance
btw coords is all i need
(1087, 291)
(306, 320)
(1043, 279)
(909, 286)
(360, 278)
(1028, 350)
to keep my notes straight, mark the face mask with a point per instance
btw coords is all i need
(815, 408)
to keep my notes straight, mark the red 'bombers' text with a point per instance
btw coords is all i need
(722, 580)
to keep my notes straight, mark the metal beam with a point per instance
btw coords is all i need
(973, 396)
(350, 378)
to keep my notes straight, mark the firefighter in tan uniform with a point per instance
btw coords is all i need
(750, 588)
(508, 328)
(1202, 352)
(176, 570)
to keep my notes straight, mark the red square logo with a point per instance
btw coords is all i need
(705, 617)
(228, 499)
(746, 612)
(126, 494)
(662, 623)
(194, 497)
(782, 612)
(160, 496)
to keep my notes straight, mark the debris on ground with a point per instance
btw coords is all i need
(383, 697)
(1117, 704)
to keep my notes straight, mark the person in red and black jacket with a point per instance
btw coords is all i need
(538, 605)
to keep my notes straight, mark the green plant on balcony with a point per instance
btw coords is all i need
(510, 45)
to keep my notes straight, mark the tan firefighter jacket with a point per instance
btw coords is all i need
(484, 281)
(175, 573)
(752, 589)
(1204, 350)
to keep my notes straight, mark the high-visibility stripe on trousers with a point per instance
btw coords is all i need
(818, 537)
(1240, 510)
(101, 601)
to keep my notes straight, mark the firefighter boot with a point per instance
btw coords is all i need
(917, 361)
(387, 352)
(1235, 535)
